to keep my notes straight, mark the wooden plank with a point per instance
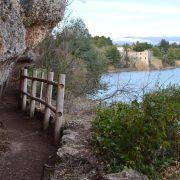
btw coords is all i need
(33, 94)
(59, 108)
(24, 89)
(48, 100)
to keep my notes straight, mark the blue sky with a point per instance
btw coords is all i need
(122, 18)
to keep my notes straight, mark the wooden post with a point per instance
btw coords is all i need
(24, 89)
(33, 94)
(21, 83)
(59, 107)
(48, 101)
(41, 90)
(1, 89)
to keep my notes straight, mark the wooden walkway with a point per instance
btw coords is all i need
(24, 147)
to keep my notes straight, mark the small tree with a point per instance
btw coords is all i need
(126, 57)
(171, 55)
(102, 41)
(157, 52)
(139, 47)
(112, 54)
(164, 45)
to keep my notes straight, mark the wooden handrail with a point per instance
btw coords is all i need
(52, 108)
(44, 81)
(58, 110)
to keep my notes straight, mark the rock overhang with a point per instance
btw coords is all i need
(24, 24)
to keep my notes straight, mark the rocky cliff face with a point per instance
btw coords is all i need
(23, 24)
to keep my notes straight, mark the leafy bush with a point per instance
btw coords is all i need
(141, 46)
(167, 52)
(102, 41)
(112, 54)
(142, 136)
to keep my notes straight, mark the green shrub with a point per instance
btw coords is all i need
(142, 136)
(112, 54)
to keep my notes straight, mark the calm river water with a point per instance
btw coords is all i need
(136, 83)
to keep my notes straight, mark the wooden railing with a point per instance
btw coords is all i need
(32, 96)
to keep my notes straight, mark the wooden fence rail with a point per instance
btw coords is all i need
(58, 110)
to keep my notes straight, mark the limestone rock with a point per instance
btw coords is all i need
(69, 137)
(66, 151)
(126, 175)
(156, 63)
(177, 63)
(23, 24)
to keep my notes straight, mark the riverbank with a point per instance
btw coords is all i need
(118, 70)
(135, 83)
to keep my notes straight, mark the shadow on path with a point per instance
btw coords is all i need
(24, 148)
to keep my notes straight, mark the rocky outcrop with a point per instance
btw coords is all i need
(23, 24)
(177, 63)
(156, 64)
(128, 174)
(75, 157)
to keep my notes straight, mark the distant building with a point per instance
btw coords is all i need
(142, 59)
(144, 56)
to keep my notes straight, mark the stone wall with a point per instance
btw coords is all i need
(142, 59)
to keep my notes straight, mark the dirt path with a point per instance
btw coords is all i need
(24, 148)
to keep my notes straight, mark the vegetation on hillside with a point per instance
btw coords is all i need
(113, 55)
(167, 52)
(105, 45)
(80, 56)
(142, 136)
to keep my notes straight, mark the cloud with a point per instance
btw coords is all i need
(83, 1)
(145, 8)
(128, 18)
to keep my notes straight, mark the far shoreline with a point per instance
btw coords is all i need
(119, 70)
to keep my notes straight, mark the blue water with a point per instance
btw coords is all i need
(126, 86)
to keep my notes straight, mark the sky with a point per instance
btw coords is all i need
(124, 18)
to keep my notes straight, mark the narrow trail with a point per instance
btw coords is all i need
(24, 148)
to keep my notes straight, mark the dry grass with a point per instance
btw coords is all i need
(172, 172)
